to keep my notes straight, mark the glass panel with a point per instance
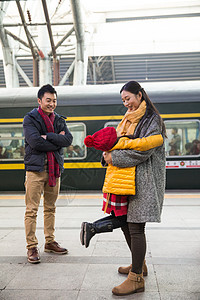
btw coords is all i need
(78, 149)
(183, 137)
(112, 124)
(11, 142)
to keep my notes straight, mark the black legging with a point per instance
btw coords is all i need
(136, 240)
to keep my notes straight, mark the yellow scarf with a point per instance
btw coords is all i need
(130, 120)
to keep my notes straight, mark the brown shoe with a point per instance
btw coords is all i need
(33, 255)
(126, 270)
(55, 248)
(133, 284)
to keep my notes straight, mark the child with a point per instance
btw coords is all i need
(119, 182)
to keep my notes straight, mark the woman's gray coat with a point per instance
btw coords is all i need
(146, 205)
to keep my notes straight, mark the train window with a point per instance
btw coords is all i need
(77, 150)
(183, 137)
(11, 142)
(112, 124)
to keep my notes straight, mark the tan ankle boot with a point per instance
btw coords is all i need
(133, 284)
(125, 270)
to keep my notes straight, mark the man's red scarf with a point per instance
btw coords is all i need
(53, 166)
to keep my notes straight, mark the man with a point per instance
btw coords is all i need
(45, 134)
(175, 142)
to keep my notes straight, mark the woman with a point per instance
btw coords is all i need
(119, 182)
(146, 204)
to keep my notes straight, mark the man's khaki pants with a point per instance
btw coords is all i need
(37, 183)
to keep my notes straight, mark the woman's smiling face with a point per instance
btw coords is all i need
(131, 101)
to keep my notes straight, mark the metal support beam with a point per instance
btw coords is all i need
(56, 71)
(80, 72)
(56, 62)
(63, 39)
(28, 35)
(16, 38)
(38, 24)
(11, 76)
(67, 74)
(49, 28)
(35, 62)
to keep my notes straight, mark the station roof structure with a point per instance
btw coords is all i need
(80, 42)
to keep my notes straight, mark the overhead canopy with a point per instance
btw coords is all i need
(90, 30)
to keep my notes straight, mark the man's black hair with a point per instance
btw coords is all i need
(46, 89)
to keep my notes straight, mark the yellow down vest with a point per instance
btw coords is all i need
(121, 181)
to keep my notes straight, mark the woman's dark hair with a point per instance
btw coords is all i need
(134, 87)
(46, 89)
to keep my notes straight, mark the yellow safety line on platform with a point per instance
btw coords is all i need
(118, 117)
(74, 165)
(12, 167)
(96, 196)
(16, 120)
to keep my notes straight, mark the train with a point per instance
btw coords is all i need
(90, 108)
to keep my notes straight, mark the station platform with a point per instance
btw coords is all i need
(173, 252)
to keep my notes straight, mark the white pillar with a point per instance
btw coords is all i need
(45, 69)
(81, 59)
(10, 71)
(80, 69)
